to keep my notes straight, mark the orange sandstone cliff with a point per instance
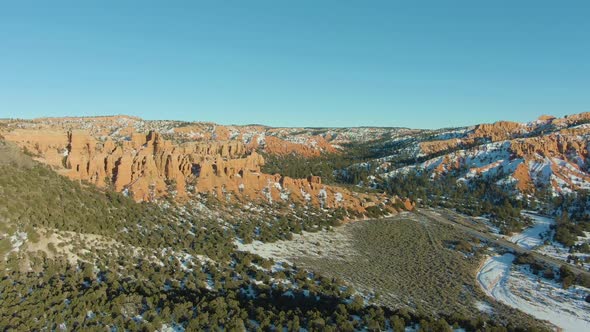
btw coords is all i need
(148, 167)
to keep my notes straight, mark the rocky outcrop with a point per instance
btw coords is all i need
(572, 120)
(558, 160)
(555, 145)
(505, 130)
(148, 167)
(498, 131)
(48, 146)
(260, 138)
(523, 177)
(432, 147)
(566, 157)
(492, 132)
(546, 118)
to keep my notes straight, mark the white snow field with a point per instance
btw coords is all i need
(530, 238)
(546, 300)
(534, 237)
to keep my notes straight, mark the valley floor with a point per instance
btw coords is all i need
(403, 261)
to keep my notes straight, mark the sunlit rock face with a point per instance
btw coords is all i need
(148, 166)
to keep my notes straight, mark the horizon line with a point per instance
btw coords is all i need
(269, 126)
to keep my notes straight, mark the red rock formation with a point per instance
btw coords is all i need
(431, 147)
(523, 177)
(546, 118)
(504, 130)
(498, 131)
(573, 119)
(48, 145)
(259, 138)
(409, 205)
(565, 152)
(149, 166)
(554, 145)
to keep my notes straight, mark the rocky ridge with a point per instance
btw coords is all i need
(549, 152)
(149, 166)
(308, 142)
(186, 158)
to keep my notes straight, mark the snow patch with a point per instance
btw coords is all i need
(545, 300)
(532, 237)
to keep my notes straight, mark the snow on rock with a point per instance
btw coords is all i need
(284, 195)
(540, 170)
(261, 139)
(305, 195)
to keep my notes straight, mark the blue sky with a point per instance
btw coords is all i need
(297, 63)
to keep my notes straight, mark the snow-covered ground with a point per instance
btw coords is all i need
(561, 252)
(555, 250)
(533, 236)
(307, 244)
(17, 240)
(541, 298)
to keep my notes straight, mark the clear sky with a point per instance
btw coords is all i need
(296, 63)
